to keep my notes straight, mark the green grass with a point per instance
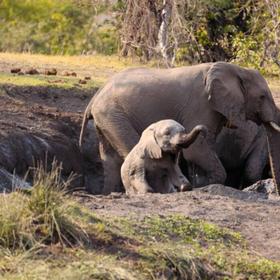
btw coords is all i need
(184, 229)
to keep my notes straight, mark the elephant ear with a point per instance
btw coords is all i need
(150, 145)
(225, 91)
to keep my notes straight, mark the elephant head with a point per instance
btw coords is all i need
(239, 94)
(168, 136)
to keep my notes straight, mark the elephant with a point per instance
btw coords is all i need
(243, 153)
(152, 164)
(211, 94)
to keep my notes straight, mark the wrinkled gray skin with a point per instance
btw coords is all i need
(243, 153)
(211, 94)
(10, 182)
(152, 165)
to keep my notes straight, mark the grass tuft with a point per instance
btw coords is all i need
(43, 216)
(172, 266)
(178, 227)
(15, 221)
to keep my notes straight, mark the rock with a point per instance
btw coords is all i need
(9, 182)
(50, 72)
(15, 70)
(217, 189)
(263, 186)
(67, 73)
(32, 71)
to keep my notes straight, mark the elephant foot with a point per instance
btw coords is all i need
(185, 188)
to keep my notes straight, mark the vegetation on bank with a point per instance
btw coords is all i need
(244, 31)
(98, 67)
(45, 234)
(56, 27)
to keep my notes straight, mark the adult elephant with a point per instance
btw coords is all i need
(212, 94)
(243, 153)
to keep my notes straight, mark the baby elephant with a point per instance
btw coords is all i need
(152, 165)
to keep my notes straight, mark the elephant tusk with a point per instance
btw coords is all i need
(274, 126)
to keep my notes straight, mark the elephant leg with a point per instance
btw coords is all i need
(111, 166)
(168, 187)
(234, 177)
(118, 131)
(255, 165)
(117, 137)
(163, 184)
(178, 179)
(195, 175)
(202, 155)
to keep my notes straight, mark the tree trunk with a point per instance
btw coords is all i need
(273, 8)
(163, 32)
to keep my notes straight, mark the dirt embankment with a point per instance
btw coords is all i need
(257, 219)
(40, 124)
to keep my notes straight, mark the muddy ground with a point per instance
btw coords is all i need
(42, 123)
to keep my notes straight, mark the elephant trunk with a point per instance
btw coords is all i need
(189, 138)
(273, 137)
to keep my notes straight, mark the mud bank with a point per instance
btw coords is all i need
(41, 124)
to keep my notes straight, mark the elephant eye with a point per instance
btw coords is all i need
(167, 132)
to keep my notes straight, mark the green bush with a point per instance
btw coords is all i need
(52, 27)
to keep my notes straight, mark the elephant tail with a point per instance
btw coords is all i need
(87, 116)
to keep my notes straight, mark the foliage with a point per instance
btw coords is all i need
(54, 27)
(245, 31)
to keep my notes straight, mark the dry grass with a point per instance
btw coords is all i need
(100, 67)
(42, 217)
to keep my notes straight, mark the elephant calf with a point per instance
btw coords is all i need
(152, 165)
